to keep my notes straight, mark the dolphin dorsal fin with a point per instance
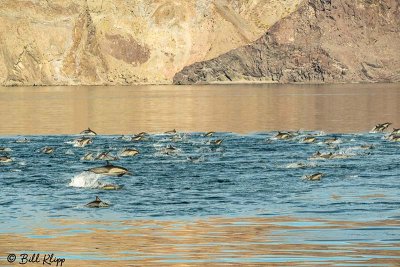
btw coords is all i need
(97, 198)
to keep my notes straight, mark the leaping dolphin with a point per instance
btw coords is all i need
(137, 138)
(88, 132)
(110, 170)
(82, 142)
(171, 132)
(209, 134)
(381, 127)
(142, 134)
(396, 131)
(98, 203)
(217, 142)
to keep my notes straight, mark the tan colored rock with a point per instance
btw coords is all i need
(123, 42)
(323, 41)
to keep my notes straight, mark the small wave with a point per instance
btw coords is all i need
(299, 165)
(87, 180)
(69, 152)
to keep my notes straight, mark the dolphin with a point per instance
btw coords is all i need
(98, 203)
(319, 155)
(137, 138)
(314, 177)
(195, 159)
(82, 142)
(396, 131)
(88, 132)
(88, 156)
(217, 142)
(105, 156)
(209, 134)
(171, 132)
(5, 159)
(129, 152)
(394, 137)
(111, 187)
(22, 140)
(142, 134)
(170, 149)
(381, 127)
(309, 139)
(47, 150)
(283, 135)
(110, 170)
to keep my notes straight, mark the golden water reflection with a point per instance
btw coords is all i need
(231, 108)
(278, 241)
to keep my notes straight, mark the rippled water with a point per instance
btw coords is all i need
(245, 202)
(247, 176)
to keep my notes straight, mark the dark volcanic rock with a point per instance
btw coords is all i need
(323, 41)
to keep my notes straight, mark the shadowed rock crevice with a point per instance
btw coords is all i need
(85, 62)
(323, 41)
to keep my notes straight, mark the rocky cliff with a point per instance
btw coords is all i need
(323, 41)
(123, 41)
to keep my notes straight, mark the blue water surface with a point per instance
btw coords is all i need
(247, 175)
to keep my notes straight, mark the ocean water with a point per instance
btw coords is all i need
(244, 202)
(247, 176)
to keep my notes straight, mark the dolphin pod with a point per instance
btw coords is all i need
(381, 127)
(119, 171)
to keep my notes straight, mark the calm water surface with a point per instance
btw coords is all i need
(233, 108)
(245, 202)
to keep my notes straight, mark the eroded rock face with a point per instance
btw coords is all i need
(323, 41)
(123, 42)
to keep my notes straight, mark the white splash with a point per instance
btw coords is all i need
(87, 180)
